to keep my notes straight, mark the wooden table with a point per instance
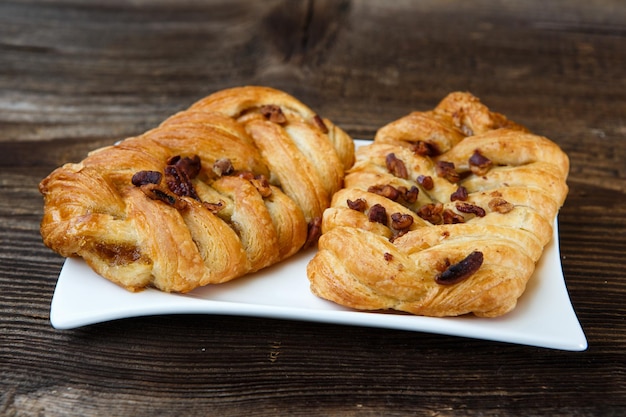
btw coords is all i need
(75, 76)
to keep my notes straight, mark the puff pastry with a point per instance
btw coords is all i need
(235, 183)
(446, 213)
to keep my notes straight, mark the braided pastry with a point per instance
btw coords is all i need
(236, 183)
(446, 213)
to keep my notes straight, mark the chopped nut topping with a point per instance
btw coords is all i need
(470, 209)
(400, 221)
(190, 166)
(450, 217)
(395, 194)
(479, 164)
(388, 191)
(247, 175)
(223, 166)
(459, 195)
(426, 181)
(446, 170)
(410, 195)
(378, 213)
(359, 204)
(424, 148)
(319, 122)
(314, 232)
(461, 270)
(179, 172)
(214, 207)
(396, 166)
(500, 205)
(260, 182)
(179, 182)
(155, 192)
(146, 177)
(273, 113)
(431, 213)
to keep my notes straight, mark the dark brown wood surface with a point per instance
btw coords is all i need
(76, 75)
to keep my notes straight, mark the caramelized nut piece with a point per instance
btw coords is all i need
(450, 217)
(262, 185)
(410, 196)
(190, 166)
(179, 172)
(461, 270)
(396, 166)
(314, 231)
(214, 207)
(359, 204)
(500, 205)
(431, 213)
(470, 209)
(459, 195)
(154, 192)
(273, 113)
(260, 182)
(424, 148)
(400, 221)
(319, 122)
(248, 175)
(178, 175)
(378, 214)
(388, 191)
(446, 170)
(426, 181)
(479, 164)
(146, 177)
(179, 182)
(223, 166)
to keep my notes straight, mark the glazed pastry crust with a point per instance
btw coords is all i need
(502, 205)
(284, 164)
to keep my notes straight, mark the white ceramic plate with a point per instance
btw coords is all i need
(544, 316)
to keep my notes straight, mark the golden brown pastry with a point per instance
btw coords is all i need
(234, 184)
(446, 213)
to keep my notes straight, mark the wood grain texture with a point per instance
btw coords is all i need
(79, 75)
